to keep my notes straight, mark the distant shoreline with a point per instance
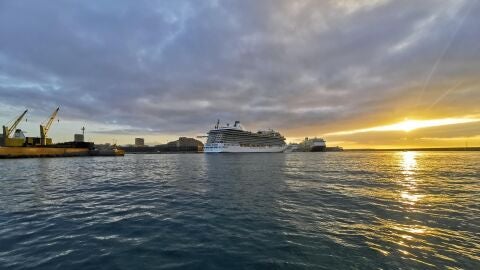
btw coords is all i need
(434, 149)
(464, 149)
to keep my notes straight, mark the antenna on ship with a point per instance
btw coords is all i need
(218, 123)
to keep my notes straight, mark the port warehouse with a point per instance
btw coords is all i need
(182, 145)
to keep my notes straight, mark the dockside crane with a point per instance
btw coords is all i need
(7, 131)
(45, 127)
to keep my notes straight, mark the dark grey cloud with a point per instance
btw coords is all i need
(177, 66)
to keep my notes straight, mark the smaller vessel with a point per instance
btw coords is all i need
(292, 147)
(310, 145)
(316, 145)
(107, 150)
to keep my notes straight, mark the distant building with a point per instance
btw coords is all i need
(78, 138)
(184, 144)
(139, 142)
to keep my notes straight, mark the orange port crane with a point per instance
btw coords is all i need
(7, 131)
(45, 127)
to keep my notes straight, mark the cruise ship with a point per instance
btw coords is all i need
(235, 139)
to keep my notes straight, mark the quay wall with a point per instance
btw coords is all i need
(24, 152)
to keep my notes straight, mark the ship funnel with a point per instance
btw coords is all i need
(236, 123)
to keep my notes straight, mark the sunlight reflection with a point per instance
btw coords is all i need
(409, 162)
(411, 197)
(408, 235)
(409, 168)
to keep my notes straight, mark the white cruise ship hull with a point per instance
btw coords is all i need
(223, 148)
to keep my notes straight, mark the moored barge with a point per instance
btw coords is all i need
(20, 146)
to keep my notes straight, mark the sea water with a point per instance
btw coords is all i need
(346, 210)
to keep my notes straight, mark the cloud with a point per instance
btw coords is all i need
(297, 66)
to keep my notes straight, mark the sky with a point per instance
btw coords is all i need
(362, 74)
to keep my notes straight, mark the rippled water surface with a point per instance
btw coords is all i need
(350, 210)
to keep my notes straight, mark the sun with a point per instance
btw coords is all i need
(409, 125)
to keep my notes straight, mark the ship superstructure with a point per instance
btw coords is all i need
(235, 139)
